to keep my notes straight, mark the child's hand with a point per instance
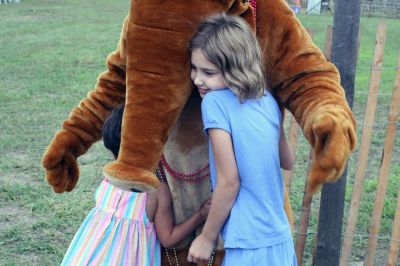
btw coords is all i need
(204, 209)
(200, 250)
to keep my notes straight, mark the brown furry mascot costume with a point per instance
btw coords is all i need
(149, 71)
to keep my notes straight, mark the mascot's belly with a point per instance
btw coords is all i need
(187, 171)
(186, 164)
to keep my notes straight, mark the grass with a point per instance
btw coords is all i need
(51, 53)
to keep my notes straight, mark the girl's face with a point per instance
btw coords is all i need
(205, 75)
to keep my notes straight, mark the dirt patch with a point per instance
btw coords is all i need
(12, 215)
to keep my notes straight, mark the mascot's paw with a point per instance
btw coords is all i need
(128, 177)
(333, 138)
(60, 163)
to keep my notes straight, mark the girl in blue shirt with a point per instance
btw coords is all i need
(248, 148)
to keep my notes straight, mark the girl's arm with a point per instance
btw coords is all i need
(224, 195)
(167, 233)
(286, 155)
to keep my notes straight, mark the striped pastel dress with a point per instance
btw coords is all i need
(115, 232)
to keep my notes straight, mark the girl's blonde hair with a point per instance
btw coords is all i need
(230, 44)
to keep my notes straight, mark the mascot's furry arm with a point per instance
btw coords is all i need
(152, 61)
(83, 127)
(309, 86)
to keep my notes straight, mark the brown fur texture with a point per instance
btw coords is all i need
(150, 71)
(309, 87)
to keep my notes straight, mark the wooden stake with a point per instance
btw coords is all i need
(292, 139)
(328, 42)
(383, 173)
(303, 221)
(305, 210)
(395, 239)
(369, 120)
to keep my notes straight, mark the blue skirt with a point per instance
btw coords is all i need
(282, 254)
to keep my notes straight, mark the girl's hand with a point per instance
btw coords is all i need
(201, 249)
(204, 209)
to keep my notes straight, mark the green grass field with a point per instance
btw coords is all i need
(51, 53)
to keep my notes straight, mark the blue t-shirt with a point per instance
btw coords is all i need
(257, 218)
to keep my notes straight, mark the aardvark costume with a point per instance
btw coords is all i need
(149, 71)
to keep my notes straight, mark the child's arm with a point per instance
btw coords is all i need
(167, 233)
(286, 155)
(224, 195)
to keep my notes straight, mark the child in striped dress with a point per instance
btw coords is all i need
(126, 227)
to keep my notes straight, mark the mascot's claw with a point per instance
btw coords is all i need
(333, 138)
(60, 162)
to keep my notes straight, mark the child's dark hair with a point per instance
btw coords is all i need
(112, 130)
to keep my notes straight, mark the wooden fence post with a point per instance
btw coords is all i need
(302, 227)
(328, 43)
(395, 239)
(367, 127)
(292, 140)
(383, 177)
(344, 56)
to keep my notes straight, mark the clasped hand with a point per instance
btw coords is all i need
(201, 250)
